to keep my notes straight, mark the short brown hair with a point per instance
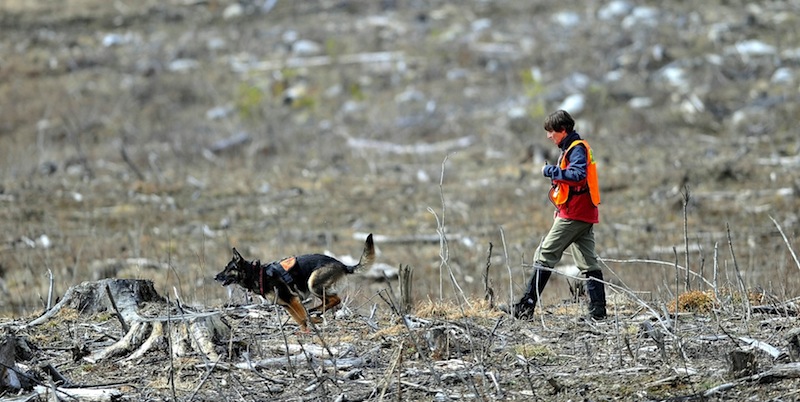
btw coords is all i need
(559, 120)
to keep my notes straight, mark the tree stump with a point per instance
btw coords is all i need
(147, 319)
(9, 377)
(406, 300)
(793, 338)
(742, 363)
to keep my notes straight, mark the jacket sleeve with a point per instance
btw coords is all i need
(576, 168)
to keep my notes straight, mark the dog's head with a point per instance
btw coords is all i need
(235, 271)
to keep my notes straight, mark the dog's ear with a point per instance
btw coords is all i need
(236, 254)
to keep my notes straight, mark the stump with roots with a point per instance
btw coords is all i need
(743, 363)
(133, 302)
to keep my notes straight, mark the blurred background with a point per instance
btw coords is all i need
(144, 139)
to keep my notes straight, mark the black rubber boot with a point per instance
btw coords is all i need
(597, 295)
(524, 309)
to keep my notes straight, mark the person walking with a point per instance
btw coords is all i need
(576, 195)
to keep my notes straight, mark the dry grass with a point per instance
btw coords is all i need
(504, 358)
(447, 310)
(298, 187)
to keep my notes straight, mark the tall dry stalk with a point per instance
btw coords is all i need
(785, 240)
(488, 292)
(687, 286)
(716, 268)
(440, 229)
(444, 250)
(508, 267)
(677, 289)
(742, 286)
(50, 289)
(702, 268)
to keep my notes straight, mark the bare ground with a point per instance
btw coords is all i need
(443, 352)
(112, 166)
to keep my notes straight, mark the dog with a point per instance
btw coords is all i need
(294, 278)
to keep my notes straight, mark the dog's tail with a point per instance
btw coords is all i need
(367, 257)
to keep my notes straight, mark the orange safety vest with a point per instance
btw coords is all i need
(560, 191)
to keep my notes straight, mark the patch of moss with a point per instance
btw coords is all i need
(530, 351)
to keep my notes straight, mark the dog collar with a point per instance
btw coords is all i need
(257, 265)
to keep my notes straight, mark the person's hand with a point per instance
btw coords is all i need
(544, 168)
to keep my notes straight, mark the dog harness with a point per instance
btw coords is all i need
(288, 263)
(279, 269)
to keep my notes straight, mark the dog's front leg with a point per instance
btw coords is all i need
(298, 312)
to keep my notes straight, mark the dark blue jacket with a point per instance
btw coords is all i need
(576, 168)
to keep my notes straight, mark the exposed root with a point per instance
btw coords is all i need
(129, 341)
(188, 335)
(156, 337)
(204, 330)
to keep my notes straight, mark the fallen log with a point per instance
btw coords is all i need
(767, 348)
(783, 310)
(77, 394)
(282, 362)
(234, 141)
(776, 353)
(410, 239)
(316, 61)
(415, 149)
(776, 373)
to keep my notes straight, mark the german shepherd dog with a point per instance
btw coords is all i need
(291, 278)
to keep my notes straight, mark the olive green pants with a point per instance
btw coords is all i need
(569, 233)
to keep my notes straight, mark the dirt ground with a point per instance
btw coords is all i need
(440, 352)
(145, 139)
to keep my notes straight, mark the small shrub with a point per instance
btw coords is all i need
(693, 301)
(249, 100)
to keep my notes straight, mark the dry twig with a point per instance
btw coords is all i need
(785, 240)
(743, 287)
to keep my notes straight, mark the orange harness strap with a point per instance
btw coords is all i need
(288, 263)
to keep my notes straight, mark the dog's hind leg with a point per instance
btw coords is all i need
(320, 282)
(328, 302)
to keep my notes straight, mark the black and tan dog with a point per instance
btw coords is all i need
(292, 278)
